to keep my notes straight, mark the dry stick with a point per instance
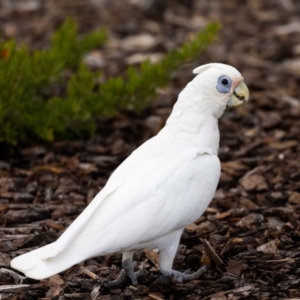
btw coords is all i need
(95, 292)
(211, 252)
(90, 273)
(154, 297)
(288, 259)
(10, 288)
(77, 295)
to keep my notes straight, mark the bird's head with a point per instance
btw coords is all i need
(221, 86)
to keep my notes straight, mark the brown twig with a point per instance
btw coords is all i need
(90, 273)
(211, 252)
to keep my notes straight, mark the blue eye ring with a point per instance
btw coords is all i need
(224, 84)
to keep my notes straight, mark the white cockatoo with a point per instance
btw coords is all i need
(162, 187)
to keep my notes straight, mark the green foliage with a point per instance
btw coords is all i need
(25, 77)
(26, 112)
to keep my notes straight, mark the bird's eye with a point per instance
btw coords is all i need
(224, 84)
(224, 81)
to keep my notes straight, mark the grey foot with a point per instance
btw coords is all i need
(127, 271)
(180, 277)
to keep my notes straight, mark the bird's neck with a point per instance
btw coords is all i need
(193, 125)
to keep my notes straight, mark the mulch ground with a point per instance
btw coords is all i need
(250, 234)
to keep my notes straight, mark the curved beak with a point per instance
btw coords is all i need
(239, 96)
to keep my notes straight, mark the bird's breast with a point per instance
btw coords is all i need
(191, 188)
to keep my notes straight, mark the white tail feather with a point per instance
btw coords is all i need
(34, 266)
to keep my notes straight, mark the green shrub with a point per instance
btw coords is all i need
(28, 112)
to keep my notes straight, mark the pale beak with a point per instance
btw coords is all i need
(239, 96)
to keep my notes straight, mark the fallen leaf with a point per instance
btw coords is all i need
(248, 203)
(269, 247)
(191, 228)
(294, 198)
(236, 267)
(56, 286)
(249, 220)
(275, 223)
(254, 183)
(244, 291)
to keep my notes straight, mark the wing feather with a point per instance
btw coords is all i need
(150, 204)
(118, 178)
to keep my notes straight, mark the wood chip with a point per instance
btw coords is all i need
(152, 256)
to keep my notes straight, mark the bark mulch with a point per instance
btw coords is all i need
(250, 234)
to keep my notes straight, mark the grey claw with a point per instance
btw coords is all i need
(195, 275)
(127, 271)
(117, 281)
(180, 277)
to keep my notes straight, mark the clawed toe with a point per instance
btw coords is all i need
(126, 272)
(180, 277)
(117, 282)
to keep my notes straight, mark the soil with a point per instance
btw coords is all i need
(249, 237)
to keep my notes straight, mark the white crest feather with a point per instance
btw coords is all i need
(203, 68)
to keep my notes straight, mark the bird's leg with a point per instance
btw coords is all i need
(127, 271)
(166, 258)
